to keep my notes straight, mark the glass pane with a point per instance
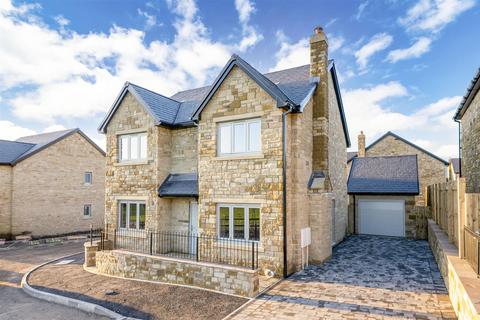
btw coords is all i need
(240, 143)
(123, 215)
(143, 146)
(124, 148)
(132, 222)
(239, 223)
(254, 137)
(88, 178)
(141, 218)
(225, 136)
(134, 147)
(224, 228)
(254, 224)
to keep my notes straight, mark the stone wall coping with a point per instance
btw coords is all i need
(88, 245)
(463, 271)
(185, 261)
(132, 163)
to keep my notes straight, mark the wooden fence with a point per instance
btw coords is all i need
(453, 209)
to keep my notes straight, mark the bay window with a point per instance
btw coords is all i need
(238, 222)
(133, 147)
(239, 137)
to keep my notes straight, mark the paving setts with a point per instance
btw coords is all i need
(368, 277)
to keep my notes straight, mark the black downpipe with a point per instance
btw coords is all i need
(459, 147)
(284, 173)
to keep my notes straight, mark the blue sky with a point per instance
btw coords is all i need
(403, 65)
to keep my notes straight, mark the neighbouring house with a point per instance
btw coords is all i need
(453, 169)
(253, 158)
(431, 168)
(382, 192)
(52, 184)
(467, 116)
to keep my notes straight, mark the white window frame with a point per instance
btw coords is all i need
(246, 226)
(129, 137)
(231, 124)
(85, 175)
(127, 218)
(87, 207)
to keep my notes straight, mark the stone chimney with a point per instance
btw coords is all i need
(319, 69)
(361, 145)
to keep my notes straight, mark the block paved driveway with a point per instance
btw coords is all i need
(17, 260)
(368, 277)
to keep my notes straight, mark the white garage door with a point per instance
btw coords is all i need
(381, 217)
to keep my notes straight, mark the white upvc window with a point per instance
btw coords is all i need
(87, 211)
(87, 178)
(132, 147)
(238, 222)
(239, 137)
(131, 215)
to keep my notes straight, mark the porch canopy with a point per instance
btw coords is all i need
(179, 185)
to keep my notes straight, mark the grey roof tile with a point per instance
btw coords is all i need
(41, 141)
(456, 164)
(11, 150)
(384, 175)
(179, 185)
(472, 90)
(351, 155)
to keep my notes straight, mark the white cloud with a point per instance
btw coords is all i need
(150, 19)
(421, 46)
(91, 68)
(361, 9)
(245, 9)
(369, 109)
(377, 43)
(335, 42)
(53, 128)
(434, 15)
(291, 54)
(10, 131)
(62, 21)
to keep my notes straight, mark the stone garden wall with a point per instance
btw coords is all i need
(231, 280)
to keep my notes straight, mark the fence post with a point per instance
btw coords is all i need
(196, 248)
(151, 243)
(478, 256)
(253, 255)
(461, 188)
(114, 239)
(91, 234)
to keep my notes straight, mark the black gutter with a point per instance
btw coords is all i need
(459, 147)
(284, 174)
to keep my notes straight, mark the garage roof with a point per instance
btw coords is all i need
(384, 175)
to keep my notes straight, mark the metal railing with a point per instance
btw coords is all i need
(184, 245)
(471, 242)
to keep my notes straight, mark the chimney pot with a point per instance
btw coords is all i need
(318, 30)
(361, 145)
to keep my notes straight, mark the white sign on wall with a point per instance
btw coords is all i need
(306, 237)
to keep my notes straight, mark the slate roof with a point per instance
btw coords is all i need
(12, 152)
(351, 155)
(384, 175)
(179, 185)
(468, 97)
(455, 164)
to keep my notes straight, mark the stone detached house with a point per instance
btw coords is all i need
(387, 180)
(467, 116)
(52, 183)
(254, 157)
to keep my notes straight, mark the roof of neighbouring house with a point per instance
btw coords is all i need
(179, 185)
(455, 164)
(292, 86)
(352, 155)
(12, 152)
(468, 97)
(384, 175)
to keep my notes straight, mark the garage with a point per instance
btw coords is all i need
(382, 195)
(381, 217)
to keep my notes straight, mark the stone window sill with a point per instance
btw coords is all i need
(240, 156)
(131, 163)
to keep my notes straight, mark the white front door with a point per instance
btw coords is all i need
(381, 217)
(193, 226)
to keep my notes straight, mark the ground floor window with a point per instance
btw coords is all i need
(131, 215)
(240, 222)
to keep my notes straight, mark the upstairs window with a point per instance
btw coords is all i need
(87, 178)
(133, 147)
(239, 137)
(87, 211)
